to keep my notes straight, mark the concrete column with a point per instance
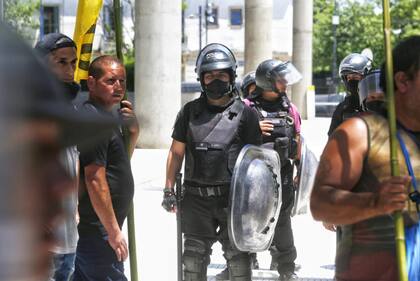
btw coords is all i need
(1, 10)
(258, 32)
(302, 51)
(157, 70)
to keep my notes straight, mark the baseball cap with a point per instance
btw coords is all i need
(53, 41)
(30, 92)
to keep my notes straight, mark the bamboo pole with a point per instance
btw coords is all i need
(398, 219)
(130, 218)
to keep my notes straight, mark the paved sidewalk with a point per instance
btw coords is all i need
(156, 229)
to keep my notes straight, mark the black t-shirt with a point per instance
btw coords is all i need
(111, 154)
(249, 129)
(343, 108)
(248, 132)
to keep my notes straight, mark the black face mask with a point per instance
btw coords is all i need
(377, 106)
(216, 89)
(353, 87)
(71, 90)
(353, 103)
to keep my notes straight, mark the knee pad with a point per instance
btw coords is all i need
(240, 267)
(196, 258)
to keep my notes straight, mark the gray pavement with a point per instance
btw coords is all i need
(156, 229)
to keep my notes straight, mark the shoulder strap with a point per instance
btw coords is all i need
(228, 123)
(414, 196)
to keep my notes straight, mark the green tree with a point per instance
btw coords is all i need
(20, 15)
(322, 35)
(405, 17)
(360, 27)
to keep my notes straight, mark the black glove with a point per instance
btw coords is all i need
(169, 199)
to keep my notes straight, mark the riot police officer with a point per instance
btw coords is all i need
(352, 69)
(280, 125)
(371, 94)
(248, 85)
(210, 132)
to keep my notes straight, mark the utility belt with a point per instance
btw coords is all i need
(208, 191)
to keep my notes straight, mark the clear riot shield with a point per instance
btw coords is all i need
(255, 198)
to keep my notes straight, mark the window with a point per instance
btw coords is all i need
(50, 19)
(236, 17)
(108, 21)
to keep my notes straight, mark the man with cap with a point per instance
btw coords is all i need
(280, 125)
(210, 132)
(59, 53)
(106, 180)
(36, 123)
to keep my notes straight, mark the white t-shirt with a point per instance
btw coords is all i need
(66, 232)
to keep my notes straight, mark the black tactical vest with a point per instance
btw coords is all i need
(209, 160)
(282, 138)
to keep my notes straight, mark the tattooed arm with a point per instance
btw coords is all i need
(340, 168)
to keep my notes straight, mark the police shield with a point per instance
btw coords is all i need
(306, 175)
(255, 199)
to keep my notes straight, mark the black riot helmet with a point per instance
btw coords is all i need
(270, 71)
(248, 80)
(216, 56)
(354, 64)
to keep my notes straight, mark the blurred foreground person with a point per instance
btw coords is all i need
(36, 123)
(59, 53)
(354, 187)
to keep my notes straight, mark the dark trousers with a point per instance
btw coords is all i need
(283, 249)
(96, 260)
(204, 221)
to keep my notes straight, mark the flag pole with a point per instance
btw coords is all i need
(130, 217)
(398, 218)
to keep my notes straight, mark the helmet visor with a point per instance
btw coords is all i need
(286, 74)
(369, 88)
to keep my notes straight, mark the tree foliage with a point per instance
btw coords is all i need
(20, 15)
(360, 27)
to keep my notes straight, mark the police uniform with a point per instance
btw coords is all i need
(272, 77)
(213, 137)
(282, 139)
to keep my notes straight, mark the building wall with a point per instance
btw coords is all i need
(68, 12)
(233, 36)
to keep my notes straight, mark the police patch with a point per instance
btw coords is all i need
(215, 56)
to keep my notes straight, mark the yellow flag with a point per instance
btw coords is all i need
(84, 32)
